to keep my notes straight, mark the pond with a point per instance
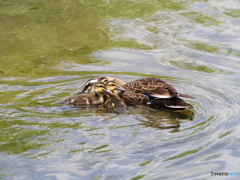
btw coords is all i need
(49, 49)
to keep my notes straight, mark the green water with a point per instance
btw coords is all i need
(49, 49)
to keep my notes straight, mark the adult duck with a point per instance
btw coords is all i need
(154, 92)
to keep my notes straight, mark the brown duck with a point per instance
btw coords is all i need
(154, 92)
(95, 97)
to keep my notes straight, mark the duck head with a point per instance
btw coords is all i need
(112, 85)
(99, 88)
(90, 84)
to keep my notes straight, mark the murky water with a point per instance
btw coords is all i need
(49, 49)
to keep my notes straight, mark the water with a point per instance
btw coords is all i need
(50, 49)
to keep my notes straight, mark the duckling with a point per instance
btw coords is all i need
(89, 85)
(154, 92)
(113, 101)
(96, 97)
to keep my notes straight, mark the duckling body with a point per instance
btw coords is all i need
(83, 99)
(155, 92)
(93, 98)
(113, 101)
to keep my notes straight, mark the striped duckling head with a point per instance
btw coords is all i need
(90, 84)
(99, 88)
(112, 86)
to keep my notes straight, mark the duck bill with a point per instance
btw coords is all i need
(121, 88)
(107, 90)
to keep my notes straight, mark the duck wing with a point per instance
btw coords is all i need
(133, 98)
(155, 88)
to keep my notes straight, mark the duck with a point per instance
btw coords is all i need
(153, 92)
(89, 85)
(113, 101)
(93, 98)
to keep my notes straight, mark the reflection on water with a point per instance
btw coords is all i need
(50, 49)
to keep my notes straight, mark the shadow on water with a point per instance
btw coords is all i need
(156, 118)
(167, 119)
